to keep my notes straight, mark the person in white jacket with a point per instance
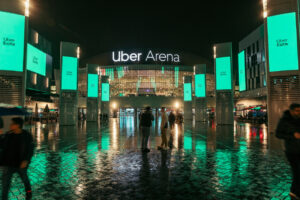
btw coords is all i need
(163, 128)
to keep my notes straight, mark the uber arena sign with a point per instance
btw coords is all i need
(121, 56)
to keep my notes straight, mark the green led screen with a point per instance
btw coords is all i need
(223, 73)
(36, 60)
(200, 85)
(93, 85)
(282, 42)
(69, 73)
(12, 32)
(105, 92)
(242, 68)
(187, 92)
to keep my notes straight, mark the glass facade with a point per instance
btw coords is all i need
(146, 80)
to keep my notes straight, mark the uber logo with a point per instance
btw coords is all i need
(124, 57)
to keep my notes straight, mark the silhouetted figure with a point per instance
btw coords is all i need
(163, 129)
(17, 146)
(146, 123)
(172, 119)
(179, 117)
(288, 129)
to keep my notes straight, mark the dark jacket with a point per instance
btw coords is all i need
(172, 118)
(26, 147)
(146, 119)
(286, 129)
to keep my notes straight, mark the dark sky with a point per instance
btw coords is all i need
(189, 26)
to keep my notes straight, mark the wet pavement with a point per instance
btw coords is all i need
(95, 161)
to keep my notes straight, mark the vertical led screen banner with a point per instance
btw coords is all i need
(242, 69)
(200, 86)
(36, 60)
(69, 73)
(93, 81)
(282, 42)
(187, 92)
(12, 33)
(105, 92)
(223, 73)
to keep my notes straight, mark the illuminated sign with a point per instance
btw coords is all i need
(69, 73)
(242, 74)
(200, 85)
(223, 73)
(36, 60)
(105, 92)
(282, 42)
(187, 92)
(93, 81)
(121, 56)
(12, 31)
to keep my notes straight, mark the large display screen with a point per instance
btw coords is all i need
(69, 73)
(187, 92)
(223, 73)
(105, 92)
(282, 42)
(200, 85)
(12, 31)
(36, 60)
(93, 81)
(242, 69)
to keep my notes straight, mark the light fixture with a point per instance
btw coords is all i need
(215, 52)
(78, 52)
(27, 8)
(176, 105)
(265, 8)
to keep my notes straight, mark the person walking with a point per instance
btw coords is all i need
(288, 129)
(172, 119)
(146, 123)
(17, 150)
(163, 128)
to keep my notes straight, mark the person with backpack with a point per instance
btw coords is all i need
(288, 129)
(146, 123)
(17, 150)
(172, 119)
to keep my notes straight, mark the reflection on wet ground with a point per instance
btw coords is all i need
(96, 161)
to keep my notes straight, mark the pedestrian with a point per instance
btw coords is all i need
(288, 129)
(172, 119)
(179, 117)
(163, 128)
(17, 150)
(145, 124)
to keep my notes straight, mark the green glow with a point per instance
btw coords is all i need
(105, 142)
(187, 92)
(187, 143)
(36, 60)
(93, 81)
(223, 73)
(163, 70)
(242, 73)
(176, 76)
(120, 72)
(12, 33)
(105, 92)
(282, 42)
(153, 83)
(69, 73)
(200, 85)
(67, 168)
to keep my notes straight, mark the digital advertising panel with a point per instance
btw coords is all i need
(36, 60)
(187, 92)
(223, 73)
(282, 42)
(200, 86)
(93, 81)
(12, 33)
(105, 92)
(242, 69)
(69, 73)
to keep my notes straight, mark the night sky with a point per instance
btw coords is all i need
(102, 26)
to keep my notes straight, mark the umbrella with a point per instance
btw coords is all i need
(12, 111)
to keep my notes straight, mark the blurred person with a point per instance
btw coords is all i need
(163, 128)
(288, 129)
(17, 150)
(1, 125)
(172, 119)
(146, 119)
(179, 117)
